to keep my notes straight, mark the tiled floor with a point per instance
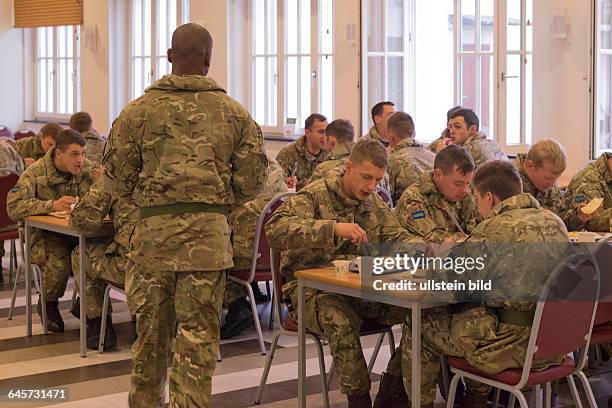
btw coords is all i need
(103, 380)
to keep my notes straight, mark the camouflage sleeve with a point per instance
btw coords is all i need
(601, 223)
(581, 192)
(22, 201)
(414, 217)
(316, 174)
(293, 225)
(249, 163)
(393, 231)
(470, 216)
(20, 145)
(285, 161)
(122, 158)
(393, 174)
(91, 209)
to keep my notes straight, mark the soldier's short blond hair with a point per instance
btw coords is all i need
(401, 124)
(548, 151)
(370, 150)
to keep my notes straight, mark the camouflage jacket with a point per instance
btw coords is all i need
(30, 147)
(424, 212)
(244, 218)
(303, 227)
(374, 134)
(594, 181)
(407, 161)
(521, 243)
(551, 199)
(10, 160)
(184, 142)
(296, 160)
(334, 161)
(483, 150)
(95, 205)
(444, 135)
(95, 146)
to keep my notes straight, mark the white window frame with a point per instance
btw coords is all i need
(281, 56)
(182, 16)
(54, 81)
(597, 54)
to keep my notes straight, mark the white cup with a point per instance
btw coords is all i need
(342, 267)
(586, 236)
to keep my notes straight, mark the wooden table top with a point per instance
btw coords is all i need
(106, 227)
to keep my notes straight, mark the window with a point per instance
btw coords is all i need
(292, 60)
(57, 71)
(427, 57)
(603, 78)
(152, 25)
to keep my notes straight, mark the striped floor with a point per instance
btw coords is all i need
(103, 380)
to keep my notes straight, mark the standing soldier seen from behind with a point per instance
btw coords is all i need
(185, 152)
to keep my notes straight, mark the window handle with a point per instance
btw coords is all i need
(313, 75)
(504, 76)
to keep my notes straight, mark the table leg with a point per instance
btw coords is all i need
(416, 356)
(83, 328)
(28, 277)
(301, 346)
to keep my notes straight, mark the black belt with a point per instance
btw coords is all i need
(516, 317)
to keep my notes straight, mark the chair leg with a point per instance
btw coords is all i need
(323, 373)
(444, 369)
(379, 342)
(587, 389)
(38, 282)
(219, 358)
(548, 395)
(12, 261)
(266, 371)
(450, 401)
(512, 400)
(271, 323)
(391, 340)
(330, 374)
(74, 295)
(262, 345)
(574, 390)
(104, 317)
(497, 394)
(10, 314)
(536, 396)
(521, 398)
(268, 290)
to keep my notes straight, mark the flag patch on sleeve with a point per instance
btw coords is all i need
(580, 198)
(417, 215)
(15, 189)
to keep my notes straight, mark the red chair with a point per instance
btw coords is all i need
(5, 132)
(385, 195)
(289, 327)
(23, 133)
(602, 329)
(6, 184)
(551, 337)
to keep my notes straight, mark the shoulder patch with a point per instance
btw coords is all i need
(580, 198)
(418, 215)
(15, 189)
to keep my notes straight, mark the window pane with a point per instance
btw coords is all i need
(468, 81)
(41, 41)
(468, 17)
(487, 11)
(61, 91)
(376, 82)
(71, 80)
(528, 99)
(50, 85)
(162, 24)
(305, 89)
(513, 25)
(272, 92)
(291, 88)
(137, 79)
(375, 27)
(259, 31)
(326, 19)
(513, 99)
(271, 28)
(529, 25)
(326, 91)
(146, 27)
(292, 26)
(171, 25)
(395, 82)
(394, 24)
(434, 97)
(42, 85)
(146, 67)
(162, 67)
(305, 21)
(487, 96)
(70, 30)
(604, 103)
(259, 78)
(136, 27)
(61, 41)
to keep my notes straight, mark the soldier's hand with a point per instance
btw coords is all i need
(442, 144)
(28, 161)
(291, 182)
(586, 217)
(63, 204)
(352, 232)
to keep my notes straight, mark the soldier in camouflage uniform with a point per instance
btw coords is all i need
(10, 162)
(35, 147)
(82, 123)
(300, 158)
(243, 220)
(594, 181)
(464, 132)
(435, 146)
(380, 115)
(340, 135)
(53, 184)
(184, 152)
(408, 158)
(440, 206)
(493, 336)
(105, 258)
(333, 218)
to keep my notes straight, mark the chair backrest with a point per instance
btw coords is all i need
(22, 133)
(385, 195)
(4, 131)
(603, 257)
(6, 184)
(261, 246)
(569, 295)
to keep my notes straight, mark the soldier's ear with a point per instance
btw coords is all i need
(169, 54)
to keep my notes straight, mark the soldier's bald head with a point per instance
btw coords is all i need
(191, 50)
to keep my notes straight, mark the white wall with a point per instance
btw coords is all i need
(11, 69)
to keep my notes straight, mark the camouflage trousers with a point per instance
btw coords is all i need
(160, 299)
(52, 251)
(338, 319)
(233, 292)
(474, 334)
(103, 263)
